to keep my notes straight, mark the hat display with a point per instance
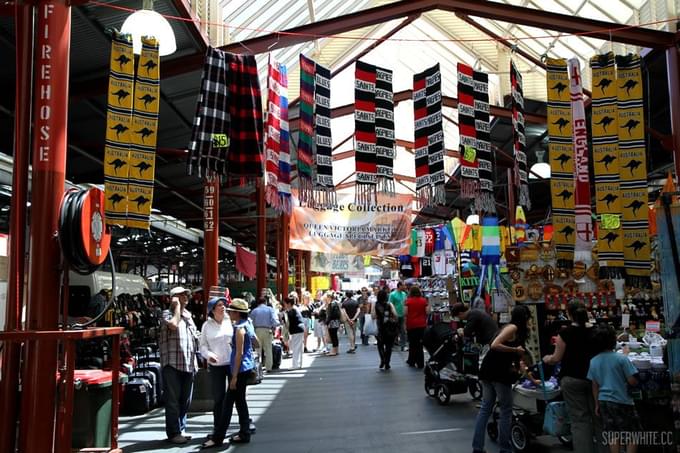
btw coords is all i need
(214, 301)
(239, 305)
(179, 290)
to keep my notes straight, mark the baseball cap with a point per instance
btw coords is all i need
(179, 290)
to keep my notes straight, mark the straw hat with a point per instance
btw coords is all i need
(239, 305)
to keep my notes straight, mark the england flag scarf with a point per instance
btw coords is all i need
(277, 141)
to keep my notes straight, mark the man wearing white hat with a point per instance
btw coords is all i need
(178, 345)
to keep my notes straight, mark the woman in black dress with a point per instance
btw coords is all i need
(388, 327)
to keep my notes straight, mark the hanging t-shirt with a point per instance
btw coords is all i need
(450, 262)
(415, 262)
(413, 250)
(429, 241)
(421, 243)
(405, 266)
(426, 266)
(439, 262)
(440, 238)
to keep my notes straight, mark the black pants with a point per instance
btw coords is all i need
(218, 384)
(415, 347)
(235, 397)
(385, 343)
(333, 333)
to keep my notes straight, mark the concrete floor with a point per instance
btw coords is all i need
(337, 404)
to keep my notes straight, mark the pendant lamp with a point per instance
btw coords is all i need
(147, 22)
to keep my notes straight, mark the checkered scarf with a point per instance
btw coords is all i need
(364, 133)
(305, 149)
(277, 188)
(486, 201)
(519, 139)
(323, 187)
(469, 166)
(227, 137)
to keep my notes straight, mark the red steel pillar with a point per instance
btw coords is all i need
(298, 271)
(50, 113)
(23, 25)
(673, 65)
(308, 270)
(285, 246)
(261, 237)
(211, 235)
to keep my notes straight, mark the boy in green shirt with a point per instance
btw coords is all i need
(397, 298)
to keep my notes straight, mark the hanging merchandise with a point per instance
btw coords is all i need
(519, 139)
(323, 186)
(605, 127)
(228, 133)
(584, 222)
(485, 202)
(469, 165)
(561, 161)
(384, 130)
(633, 170)
(132, 130)
(305, 148)
(277, 140)
(491, 241)
(365, 133)
(429, 136)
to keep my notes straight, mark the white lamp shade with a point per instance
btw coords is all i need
(541, 169)
(472, 219)
(145, 22)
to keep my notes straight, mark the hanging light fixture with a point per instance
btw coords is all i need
(540, 168)
(147, 22)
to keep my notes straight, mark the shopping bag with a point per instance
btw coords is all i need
(556, 420)
(370, 326)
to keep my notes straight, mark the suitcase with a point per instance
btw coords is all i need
(155, 368)
(137, 396)
(277, 354)
(150, 376)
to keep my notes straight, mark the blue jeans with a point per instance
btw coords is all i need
(494, 391)
(218, 384)
(178, 387)
(403, 338)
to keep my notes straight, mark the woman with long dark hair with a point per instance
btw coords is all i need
(500, 369)
(333, 321)
(416, 309)
(388, 327)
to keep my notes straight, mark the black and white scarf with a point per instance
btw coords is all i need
(365, 133)
(324, 190)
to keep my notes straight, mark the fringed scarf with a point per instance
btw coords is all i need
(429, 136)
(519, 138)
(469, 167)
(305, 148)
(324, 188)
(277, 188)
(284, 157)
(584, 222)
(485, 202)
(633, 170)
(365, 133)
(605, 127)
(384, 130)
(561, 159)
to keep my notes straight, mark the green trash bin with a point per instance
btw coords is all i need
(92, 408)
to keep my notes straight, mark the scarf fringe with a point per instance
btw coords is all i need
(271, 195)
(424, 195)
(365, 194)
(306, 194)
(387, 186)
(485, 202)
(612, 273)
(524, 198)
(439, 194)
(469, 188)
(285, 203)
(325, 197)
(636, 281)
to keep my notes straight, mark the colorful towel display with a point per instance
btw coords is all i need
(365, 133)
(323, 187)
(605, 130)
(384, 130)
(633, 170)
(469, 166)
(228, 132)
(132, 129)
(277, 140)
(305, 148)
(561, 158)
(486, 201)
(519, 138)
(491, 241)
(584, 221)
(429, 136)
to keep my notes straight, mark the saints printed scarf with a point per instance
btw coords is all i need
(384, 130)
(584, 222)
(605, 130)
(633, 170)
(429, 136)
(132, 129)
(277, 188)
(486, 201)
(519, 139)
(561, 157)
(469, 167)
(324, 188)
(365, 133)
(305, 148)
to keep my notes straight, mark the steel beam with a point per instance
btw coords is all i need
(673, 65)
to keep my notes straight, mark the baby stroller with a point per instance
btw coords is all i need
(450, 370)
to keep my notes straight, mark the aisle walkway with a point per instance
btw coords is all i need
(335, 405)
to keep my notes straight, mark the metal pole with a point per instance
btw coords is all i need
(308, 270)
(9, 384)
(673, 66)
(285, 245)
(115, 388)
(211, 236)
(50, 113)
(298, 271)
(261, 237)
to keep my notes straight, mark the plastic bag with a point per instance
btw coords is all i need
(556, 419)
(370, 326)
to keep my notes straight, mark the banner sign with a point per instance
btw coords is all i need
(335, 263)
(383, 228)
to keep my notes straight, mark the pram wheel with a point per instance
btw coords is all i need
(430, 388)
(443, 394)
(475, 389)
(519, 436)
(566, 441)
(492, 430)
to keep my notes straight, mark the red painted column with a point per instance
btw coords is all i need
(211, 236)
(673, 65)
(298, 271)
(50, 113)
(285, 244)
(308, 271)
(23, 26)
(261, 237)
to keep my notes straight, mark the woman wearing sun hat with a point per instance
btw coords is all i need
(242, 363)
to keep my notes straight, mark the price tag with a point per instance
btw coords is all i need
(220, 140)
(610, 222)
(653, 326)
(470, 154)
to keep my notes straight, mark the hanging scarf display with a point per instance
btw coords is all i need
(491, 241)
(519, 139)
(429, 136)
(384, 130)
(486, 201)
(305, 148)
(284, 157)
(633, 170)
(561, 158)
(584, 222)
(605, 127)
(277, 151)
(228, 133)
(365, 133)
(324, 188)
(469, 167)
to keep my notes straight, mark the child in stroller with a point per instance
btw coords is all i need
(452, 366)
